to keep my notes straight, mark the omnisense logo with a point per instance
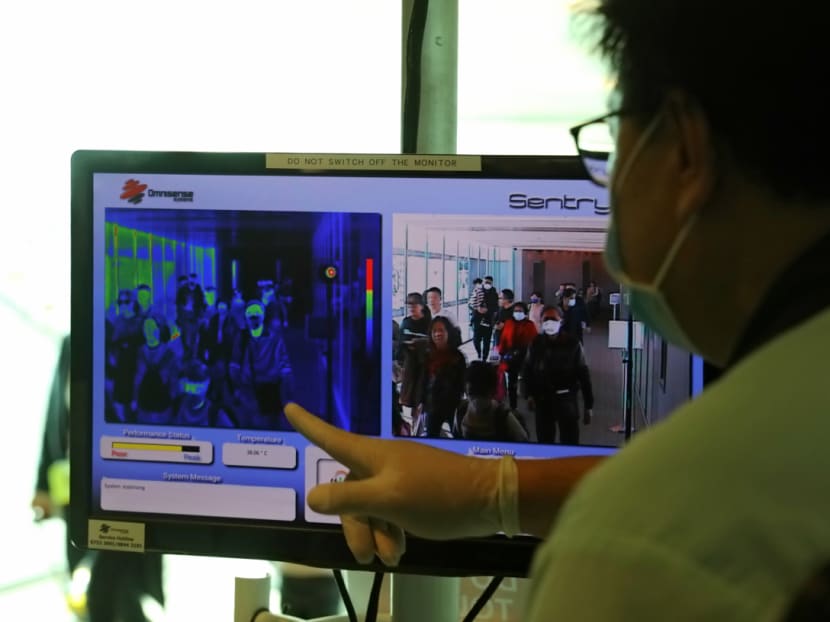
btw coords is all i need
(133, 191)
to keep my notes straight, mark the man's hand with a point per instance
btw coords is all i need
(42, 505)
(397, 486)
(586, 416)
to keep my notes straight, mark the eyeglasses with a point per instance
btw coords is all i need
(596, 144)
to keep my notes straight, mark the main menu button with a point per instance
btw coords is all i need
(262, 456)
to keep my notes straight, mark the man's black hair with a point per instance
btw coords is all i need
(142, 287)
(488, 278)
(753, 67)
(519, 303)
(569, 292)
(508, 294)
(481, 379)
(550, 309)
(437, 290)
(477, 281)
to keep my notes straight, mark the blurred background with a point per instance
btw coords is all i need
(310, 75)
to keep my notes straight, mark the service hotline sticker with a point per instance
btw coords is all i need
(115, 535)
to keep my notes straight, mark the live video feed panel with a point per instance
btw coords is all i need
(210, 322)
(501, 385)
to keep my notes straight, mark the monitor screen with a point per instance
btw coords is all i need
(208, 290)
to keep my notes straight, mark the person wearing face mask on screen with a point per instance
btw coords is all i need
(261, 372)
(575, 320)
(517, 334)
(554, 373)
(719, 199)
(484, 318)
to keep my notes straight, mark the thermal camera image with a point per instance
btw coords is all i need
(219, 318)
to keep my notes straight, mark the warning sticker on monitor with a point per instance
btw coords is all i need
(115, 535)
(372, 162)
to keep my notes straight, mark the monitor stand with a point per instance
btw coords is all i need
(414, 599)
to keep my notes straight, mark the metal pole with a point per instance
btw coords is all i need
(629, 378)
(435, 124)
(430, 85)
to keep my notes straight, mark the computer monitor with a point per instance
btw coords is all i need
(208, 289)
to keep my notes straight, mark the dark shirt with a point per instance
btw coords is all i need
(574, 317)
(157, 372)
(555, 366)
(411, 330)
(443, 381)
(806, 287)
(190, 303)
(491, 301)
(504, 314)
(218, 338)
(263, 359)
(56, 430)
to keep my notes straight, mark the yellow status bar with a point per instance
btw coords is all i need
(148, 446)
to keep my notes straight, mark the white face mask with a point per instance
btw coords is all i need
(488, 286)
(551, 327)
(572, 302)
(518, 316)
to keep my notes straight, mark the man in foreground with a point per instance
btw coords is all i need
(719, 200)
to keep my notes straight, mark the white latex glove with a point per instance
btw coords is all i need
(397, 486)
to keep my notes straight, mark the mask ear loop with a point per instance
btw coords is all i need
(617, 179)
(668, 261)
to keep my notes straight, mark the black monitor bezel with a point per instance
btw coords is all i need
(324, 546)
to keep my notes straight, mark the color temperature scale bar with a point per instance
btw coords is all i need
(370, 303)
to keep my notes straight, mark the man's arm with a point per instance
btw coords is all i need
(528, 388)
(544, 485)
(484, 496)
(584, 376)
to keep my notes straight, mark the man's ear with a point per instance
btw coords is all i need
(696, 172)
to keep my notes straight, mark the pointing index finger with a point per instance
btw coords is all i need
(345, 447)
